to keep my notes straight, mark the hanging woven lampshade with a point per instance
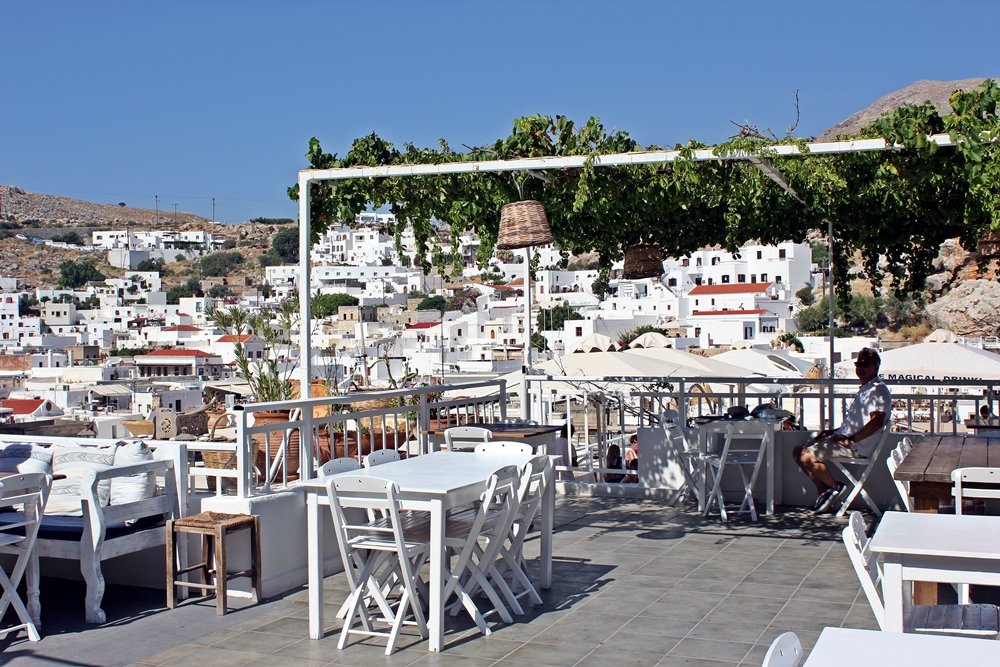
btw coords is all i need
(523, 224)
(642, 261)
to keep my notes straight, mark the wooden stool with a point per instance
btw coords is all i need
(214, 528)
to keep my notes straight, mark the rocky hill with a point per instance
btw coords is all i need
(935, 92)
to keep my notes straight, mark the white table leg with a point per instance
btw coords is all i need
(548, 522)
(769, 462)
(435, 615)
(892, 593)
(315, 564)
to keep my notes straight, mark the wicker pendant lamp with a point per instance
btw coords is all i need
(642, 261)
(523, 224)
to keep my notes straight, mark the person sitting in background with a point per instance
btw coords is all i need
(985, 412)
(632, 458)
(858, 436)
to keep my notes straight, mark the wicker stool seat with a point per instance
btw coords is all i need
(214, 529)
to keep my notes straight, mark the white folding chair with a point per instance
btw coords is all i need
(343, 464)
(896, 457)
(504, 446)
(465, 438)
(866, 466)
(978, 484)
(688, 458)
(961, 619)
(378, 557)
(785, 651)
(380, 456)
(491, 524)
(24, 494)
(745, 460)
(510, 573)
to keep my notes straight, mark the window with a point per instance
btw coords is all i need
(777, 279)
(579, 331)
(781, 253)
(672, 282)
(753, 277)
(725, 278)
(760, 254)
(741, 278)
(763, 277)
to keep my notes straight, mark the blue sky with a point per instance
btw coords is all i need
(189, 100)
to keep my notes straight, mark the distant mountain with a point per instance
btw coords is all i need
(31, 209)
(936, 92)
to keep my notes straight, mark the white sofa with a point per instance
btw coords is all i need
(114, 499)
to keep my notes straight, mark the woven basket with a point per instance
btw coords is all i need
(523, 224)
(138, 427)
(642, 261)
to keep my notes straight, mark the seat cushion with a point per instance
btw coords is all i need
(74, 462)
(26, 457)
(70, 528)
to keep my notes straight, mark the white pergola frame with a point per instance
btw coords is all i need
(309, 176)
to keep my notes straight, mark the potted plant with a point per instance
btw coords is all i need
(267, 380)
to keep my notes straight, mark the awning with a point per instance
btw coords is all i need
(110, 390)
(241, 388)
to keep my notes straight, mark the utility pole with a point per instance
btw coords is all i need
(156, 198)
(175, 214)
(213, 209)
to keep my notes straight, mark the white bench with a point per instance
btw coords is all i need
(110, 530)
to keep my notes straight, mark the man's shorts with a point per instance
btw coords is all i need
(826, 448)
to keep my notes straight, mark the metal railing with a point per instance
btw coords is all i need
(598, 411)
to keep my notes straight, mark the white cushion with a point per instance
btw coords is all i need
(134, 487)
(25, 457)
(73, 462)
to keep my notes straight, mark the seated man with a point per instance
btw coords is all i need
(857, 436)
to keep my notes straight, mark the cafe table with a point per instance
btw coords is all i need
(837, 647)
(537, 435)
(943, 548)
(433, 483)
(927, 471)
(984, 427)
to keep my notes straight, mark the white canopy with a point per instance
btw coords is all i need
(697, 365)
(766, 362)
(935, 361)
(650, 339)
(595, 343)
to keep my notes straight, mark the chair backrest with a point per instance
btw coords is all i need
(985, 484)
(343, 464)
(865, 564)
(532, 487)
(505, 446)
(381, 519)
(27, 493)
(380, 456)
(465, 437)
(896, 457)
(785, 651)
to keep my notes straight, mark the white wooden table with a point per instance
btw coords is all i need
(433, 483)
(748, 429)
(840, 647)
(944, 548)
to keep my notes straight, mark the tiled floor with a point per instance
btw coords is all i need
(635, 583)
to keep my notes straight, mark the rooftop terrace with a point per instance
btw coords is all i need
(634, 583)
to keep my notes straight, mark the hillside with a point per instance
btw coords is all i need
(30, 209)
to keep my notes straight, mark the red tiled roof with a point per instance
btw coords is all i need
(22, 406)
(730, 288)
(182, 327)
(180, 353)
(758, 311)
(233, 338)
(518, 282)
(422, 325)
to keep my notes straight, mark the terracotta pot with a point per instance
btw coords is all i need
(368, 441)
(272, 441)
